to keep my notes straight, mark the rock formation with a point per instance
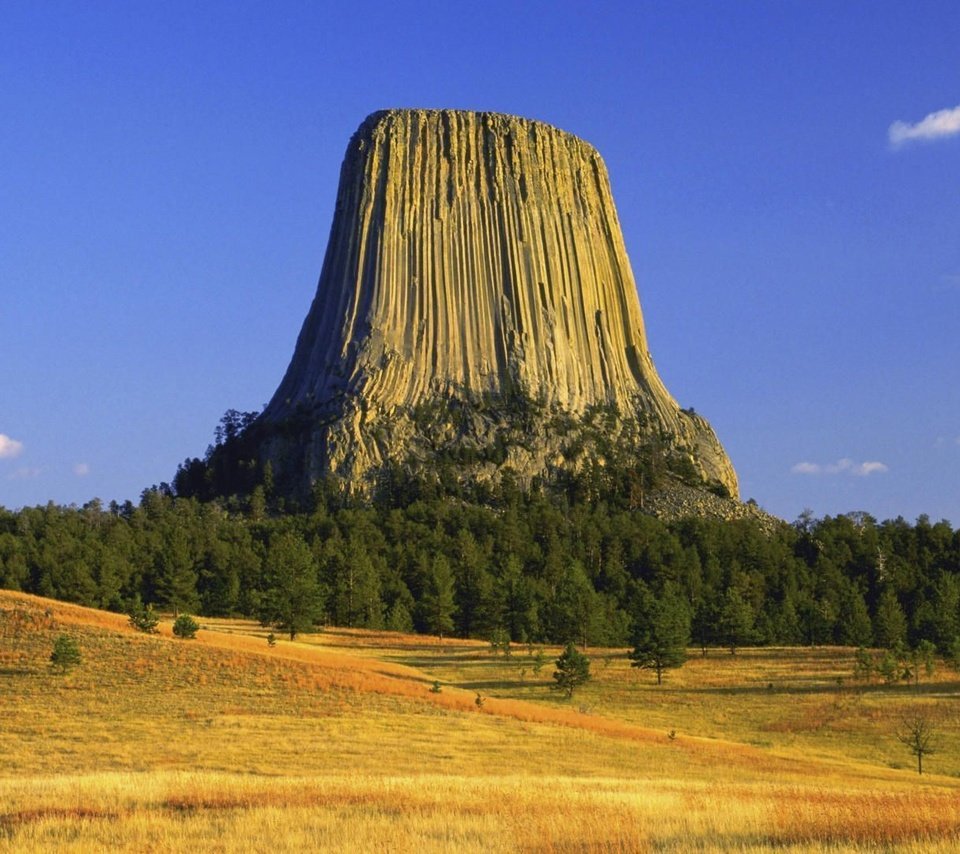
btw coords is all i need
(476, 307)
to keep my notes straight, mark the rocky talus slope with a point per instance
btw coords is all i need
(476, 306)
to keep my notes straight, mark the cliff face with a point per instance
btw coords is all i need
(475, 260)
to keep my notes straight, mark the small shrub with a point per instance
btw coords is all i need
(271, 639)
(143, 619)
(435, 688)
(538, 661)
(863, 665)
(66, 653)
(185, 627)
(500, 642)
(889, 668)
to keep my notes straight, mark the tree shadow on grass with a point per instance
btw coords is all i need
(499, 685)
(772, 688)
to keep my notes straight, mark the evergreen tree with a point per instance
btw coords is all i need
(661, 632)
(736, 620)
(356, 585)
(175, 568)
(889, 623)
(66, 653)
(817, 619)
(704, 622)
(923, 657)
(474, 586)
(185, 627)
(513, 602)
(143, 619)
(573, 610)
(292, 600)
(945, 625)
(438, 603)
(853, 623)
(398, 617)
(573, 670)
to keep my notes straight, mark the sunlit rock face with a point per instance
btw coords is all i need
(475, 299)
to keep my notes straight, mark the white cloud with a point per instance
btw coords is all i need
(9, 448)
(933, 126)
(81, 469)
(841, 466)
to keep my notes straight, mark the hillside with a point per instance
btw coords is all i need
(336, 742)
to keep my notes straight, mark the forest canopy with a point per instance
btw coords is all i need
(533, 566)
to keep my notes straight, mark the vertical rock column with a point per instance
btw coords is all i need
(470, 254)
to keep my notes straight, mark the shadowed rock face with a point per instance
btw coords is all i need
(474, 259)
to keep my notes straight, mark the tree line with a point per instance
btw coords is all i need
(530, 567)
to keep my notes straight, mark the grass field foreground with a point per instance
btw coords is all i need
(336, 742)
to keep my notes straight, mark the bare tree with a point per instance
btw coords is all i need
(919, 736)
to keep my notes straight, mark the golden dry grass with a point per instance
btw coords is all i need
(335, 742)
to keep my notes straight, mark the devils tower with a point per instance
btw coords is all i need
(476, 311)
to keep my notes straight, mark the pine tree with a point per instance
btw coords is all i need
(474, 586)
(889, 623)
(573, 670)
(185, 627)
(736, 619)
(175, 570)
(143, 618)
(438, 603)
(293, 600)
(355, 581)
(514, 607)
(661, 632)
(66, 653)
(853, 623)
(574, 607)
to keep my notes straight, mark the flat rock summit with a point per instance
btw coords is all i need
(476, 314)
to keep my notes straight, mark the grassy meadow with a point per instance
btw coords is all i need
(339, 741)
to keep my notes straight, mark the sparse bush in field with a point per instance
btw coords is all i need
(889, 668)
(919, 736)
(538, 661)
(271, 639)
(66, 653)
(899, 665)
(500, 642)
(863, 665)
(143, 618)
(953, 654)
(435, 688)
(923, 656)
(185, 627)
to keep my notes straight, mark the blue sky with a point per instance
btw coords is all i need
(786, 176)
